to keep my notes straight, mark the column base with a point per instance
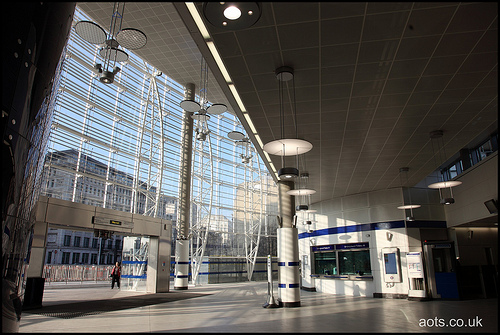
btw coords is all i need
(178, 288)
(290, 304)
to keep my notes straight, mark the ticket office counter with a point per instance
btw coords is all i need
(342, 269)
(342, 261)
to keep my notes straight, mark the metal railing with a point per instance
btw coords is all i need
(76, 273)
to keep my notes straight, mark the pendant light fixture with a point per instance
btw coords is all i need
(436, 136)
(128, 38)
(201, 110)
(287, 146)
(302, 192)
(243, 143)
(410, 206)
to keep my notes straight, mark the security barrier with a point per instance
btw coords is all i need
(76, 273)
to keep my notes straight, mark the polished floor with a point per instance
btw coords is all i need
(237, 307)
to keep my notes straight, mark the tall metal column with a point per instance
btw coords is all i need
(288, 249)
(182, 241)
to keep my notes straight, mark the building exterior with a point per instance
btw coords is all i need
(80, 247)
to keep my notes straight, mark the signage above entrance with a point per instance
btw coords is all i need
(110, 222)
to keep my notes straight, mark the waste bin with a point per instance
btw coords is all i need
(33, 294)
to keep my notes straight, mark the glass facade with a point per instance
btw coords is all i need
(118, 146)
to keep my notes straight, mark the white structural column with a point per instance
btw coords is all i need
(288, 249)
(182, 241)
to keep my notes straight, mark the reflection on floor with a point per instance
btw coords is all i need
(237, 307)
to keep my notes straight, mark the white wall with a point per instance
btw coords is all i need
(361, 211)
(479, 184)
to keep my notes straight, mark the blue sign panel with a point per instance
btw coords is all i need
(359, 245)
(323, 248)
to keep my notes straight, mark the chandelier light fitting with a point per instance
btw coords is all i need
(242, 141)
(128, 38)
(201, 110)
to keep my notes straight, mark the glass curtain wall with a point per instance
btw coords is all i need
(118, 146)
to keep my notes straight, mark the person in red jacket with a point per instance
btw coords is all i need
(115, 275)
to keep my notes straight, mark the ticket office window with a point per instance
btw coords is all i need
(342, 262)
(325, 263)
(355, 262)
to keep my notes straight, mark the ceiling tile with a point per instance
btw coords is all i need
(407, 68)
(382, 7)
(295, 12)
(340, 31)
(433, 83)
(377, 51)
(473, 16)
(444, 65)
(429, 21)
(457, 44)
(384, 26)
(372, 71)
(417, 47)
(298, 36)
(338, 55)
(488, 42)
(330, 10)
(257, 41)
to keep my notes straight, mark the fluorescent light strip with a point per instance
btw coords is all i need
(211, 46)
(250, 124)
(219, 62)
(237, 98)
(198, 20)
(257, 137)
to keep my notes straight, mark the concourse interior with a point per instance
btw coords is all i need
(237, 307)
(391, 226)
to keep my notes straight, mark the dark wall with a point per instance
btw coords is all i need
(34, 35)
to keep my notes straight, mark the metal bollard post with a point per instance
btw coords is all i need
(270, 296)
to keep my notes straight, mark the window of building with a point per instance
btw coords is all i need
(325, 263)
(93, 259)
(355, 262)
(85, 258)
(67, 240)
(49, 257)
(86, 241)
(76, 241)
(94, 243)
(76, 258)
(65, 258)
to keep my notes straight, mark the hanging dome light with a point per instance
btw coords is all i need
(435, 135)
(286, 146)
(409, 206)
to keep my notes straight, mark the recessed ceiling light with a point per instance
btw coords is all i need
(232, 13)
(232, 16)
